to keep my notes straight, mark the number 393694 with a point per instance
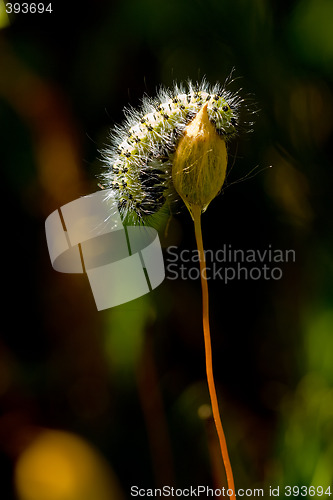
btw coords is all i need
(28, 8)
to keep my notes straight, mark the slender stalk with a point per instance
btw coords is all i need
(196, 214)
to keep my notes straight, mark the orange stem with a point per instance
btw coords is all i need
(196, 214)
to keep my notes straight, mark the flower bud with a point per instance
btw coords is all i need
(199, 163)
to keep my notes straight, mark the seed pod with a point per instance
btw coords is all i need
(199, 163)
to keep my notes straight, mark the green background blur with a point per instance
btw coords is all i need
(130, 381)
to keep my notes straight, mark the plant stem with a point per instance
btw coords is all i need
(196, 215)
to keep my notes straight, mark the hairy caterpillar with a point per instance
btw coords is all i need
(139, 160)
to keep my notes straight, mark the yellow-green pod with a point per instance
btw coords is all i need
(199, 163)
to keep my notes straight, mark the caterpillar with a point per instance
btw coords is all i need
(139, 159)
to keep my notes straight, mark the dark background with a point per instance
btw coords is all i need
(94, 402)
